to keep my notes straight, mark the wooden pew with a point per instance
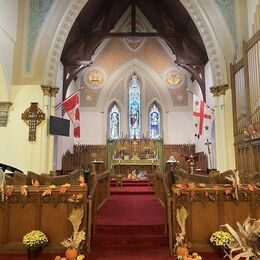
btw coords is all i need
(210, 207)
(19, 215)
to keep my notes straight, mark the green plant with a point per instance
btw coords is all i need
(222, 239)
(34, 239)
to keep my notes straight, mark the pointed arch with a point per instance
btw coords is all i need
(154, 121)
(114, 119)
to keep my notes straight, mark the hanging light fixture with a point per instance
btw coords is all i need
(133, 57)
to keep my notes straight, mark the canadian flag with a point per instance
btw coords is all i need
(203, 116)
(71, 107)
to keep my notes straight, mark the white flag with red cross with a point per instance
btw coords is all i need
(203, 116)
(71, 107)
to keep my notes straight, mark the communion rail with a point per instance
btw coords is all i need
(163, 194)
(97, 197)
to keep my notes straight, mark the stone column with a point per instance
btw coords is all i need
(53, 92)
(214, 91)
(4, 108)
(44, 150)
(222, 113)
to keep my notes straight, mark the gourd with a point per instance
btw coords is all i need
(183, 251)
(71, 253)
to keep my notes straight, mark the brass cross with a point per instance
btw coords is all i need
(33, 116)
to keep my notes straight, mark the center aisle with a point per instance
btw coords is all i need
(130, 226)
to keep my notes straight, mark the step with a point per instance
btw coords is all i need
(130, 230)
(127, 184)
(115, 191)
(130, 242)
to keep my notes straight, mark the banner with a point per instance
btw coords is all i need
(71, 107)
(203, 116)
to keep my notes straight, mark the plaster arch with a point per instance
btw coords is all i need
(199, 10)
(145, 72)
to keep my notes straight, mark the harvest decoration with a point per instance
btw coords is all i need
(48, 191)
(8, 191)
(35, 239)
(72, 243)
(24, 190)
(180, 246)
(221, 239)
(64, 188)
(247, 240)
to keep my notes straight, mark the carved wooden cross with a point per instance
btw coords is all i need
(33, 116)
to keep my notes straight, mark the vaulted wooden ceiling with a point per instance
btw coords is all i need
(169, 18)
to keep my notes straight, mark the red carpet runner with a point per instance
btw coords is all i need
(132, 227)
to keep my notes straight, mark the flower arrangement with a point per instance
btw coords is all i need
(222, 239)
(35, 239)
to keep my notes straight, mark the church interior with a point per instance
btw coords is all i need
(130, 129)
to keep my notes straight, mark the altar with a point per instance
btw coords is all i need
(139, 156)
(141, 166)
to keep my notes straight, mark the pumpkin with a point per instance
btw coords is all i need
(57, 257)
(63, 258)
(183, 251)
(71, 253)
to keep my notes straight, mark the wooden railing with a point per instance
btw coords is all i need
(97, 197)
(163, 194)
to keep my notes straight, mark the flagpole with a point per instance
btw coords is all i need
(61, 103)
(190, 91)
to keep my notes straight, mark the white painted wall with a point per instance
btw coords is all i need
(180, 127)
(8, 17)
(92, 128)
(15, 149)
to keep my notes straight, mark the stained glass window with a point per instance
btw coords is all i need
(134, 108)
(154, 122)
(114, 122)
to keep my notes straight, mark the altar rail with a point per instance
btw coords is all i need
(162, 193)
(245, 81)
(97, 197)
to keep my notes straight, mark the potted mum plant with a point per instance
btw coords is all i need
(34, 241)
(222, 241)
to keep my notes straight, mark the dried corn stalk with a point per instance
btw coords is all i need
(181, 216)
(78, 236)
(247, 238)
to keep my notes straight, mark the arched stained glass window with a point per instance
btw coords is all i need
(134, 108)
(114, 122)
(154, 122)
